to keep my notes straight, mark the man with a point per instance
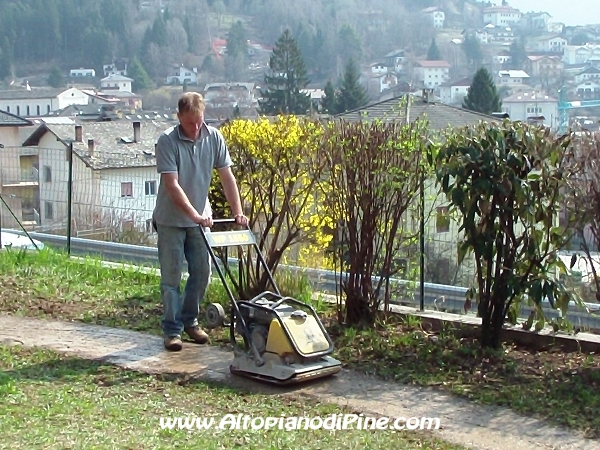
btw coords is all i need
(186, 156)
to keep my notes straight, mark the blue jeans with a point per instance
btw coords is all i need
(175, 244)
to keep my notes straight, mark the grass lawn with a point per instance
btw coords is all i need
(55, 402)
(563, 387)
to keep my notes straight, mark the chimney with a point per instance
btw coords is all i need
(428, 96)
(78, 133)
(91, 147)
(136, 131)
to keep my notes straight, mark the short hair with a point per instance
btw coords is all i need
(191, 102)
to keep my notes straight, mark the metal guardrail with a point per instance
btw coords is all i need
(436, 296)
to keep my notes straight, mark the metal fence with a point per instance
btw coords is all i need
(72, 197)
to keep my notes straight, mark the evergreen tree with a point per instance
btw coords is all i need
(352, 95)
(518, 54)
(472, 49)
(55, 78)
(433, 54)
(287, 77)
(328, 102)
(237, 55)
(482, 96)
(141, 80)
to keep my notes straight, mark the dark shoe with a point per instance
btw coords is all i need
(173, 343)
(196, 334)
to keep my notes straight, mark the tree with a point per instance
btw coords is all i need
(235, 60)
(141, 80)
(56, 78)
(504, 182)
(472, 49)
(518, 54)
(287, 78)
(482, 96)
(374, 172)
(433, 54)
(352, 94)
(328, 102)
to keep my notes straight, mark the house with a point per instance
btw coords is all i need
(544, 66)
(579, 54)
(182, 75)
(536, 20)
(499, 35)
(35, 102)
(117, 67)
(589, 73)
(228, 94)
(116, 82)
(435, 16)
(81, 72)
(430, 74)
(114, 174)
(551, 43)
(378, 68)
(18, 173)
(501, 16)
(454, 92)
(395, 60)
(589, 90)
(532, 106)
(442, 233)
(376, 84)
(511, 78)
(503, 57)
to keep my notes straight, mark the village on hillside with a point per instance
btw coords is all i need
(550, 77)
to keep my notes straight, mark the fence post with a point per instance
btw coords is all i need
(422, 239)
(69, 198)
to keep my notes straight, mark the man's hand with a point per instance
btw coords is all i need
(241, 219)
(205, 221)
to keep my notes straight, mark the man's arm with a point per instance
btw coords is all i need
(171, 182)
(232, 194)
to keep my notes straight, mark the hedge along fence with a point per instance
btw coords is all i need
(340, 194)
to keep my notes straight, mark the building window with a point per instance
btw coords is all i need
(8, 109)
(48, 108)
(127, 189)
(150, 187)
(47, 174)
(28, 113)
(18, 110)
(38, 110)
(48, 210)
(442, 220)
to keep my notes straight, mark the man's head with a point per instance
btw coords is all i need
(190, 112)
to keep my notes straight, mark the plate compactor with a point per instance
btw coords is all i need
(284, 340)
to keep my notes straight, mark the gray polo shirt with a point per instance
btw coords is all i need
(194, 163)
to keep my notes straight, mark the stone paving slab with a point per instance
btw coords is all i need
(475, 426)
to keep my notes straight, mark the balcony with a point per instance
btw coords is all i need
(25, 178)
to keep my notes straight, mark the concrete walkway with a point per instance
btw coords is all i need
(463, 422)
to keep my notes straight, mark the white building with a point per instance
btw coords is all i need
(579, 54)
(19, 178)
(81, 72)
(435, 15)
(501, 16)
(512, 78)
(553, 43)
(116, 82)
(532, 106)
(431, 74)
(34, 102)
(114, 174)
(181, 75)
(590, 73)
(454, 92)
